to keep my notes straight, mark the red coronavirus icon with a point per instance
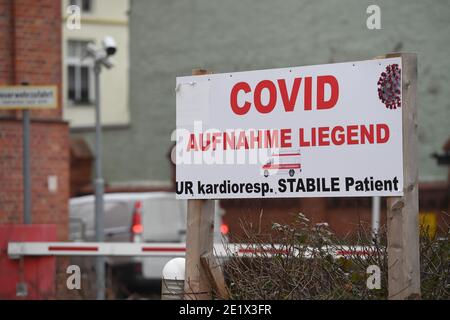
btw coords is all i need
(389, 86)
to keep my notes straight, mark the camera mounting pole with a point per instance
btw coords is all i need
(99, 187)
(101, 58)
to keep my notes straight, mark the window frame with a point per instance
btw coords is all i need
(77, 62)
(80, 3)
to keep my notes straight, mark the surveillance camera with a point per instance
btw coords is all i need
(109, 44)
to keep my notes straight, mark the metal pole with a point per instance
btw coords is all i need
(26, 168)
(375, 217)
(99, 185)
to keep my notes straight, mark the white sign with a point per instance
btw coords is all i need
(28, 97)
(329, 130)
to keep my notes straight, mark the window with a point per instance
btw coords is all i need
(85, 5)
(80, 74)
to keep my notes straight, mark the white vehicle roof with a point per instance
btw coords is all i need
(123, 196)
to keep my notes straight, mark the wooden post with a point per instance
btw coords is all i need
(215, 275)
(403, 212)
(199, 241)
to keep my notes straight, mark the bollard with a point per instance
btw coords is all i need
(173, 280)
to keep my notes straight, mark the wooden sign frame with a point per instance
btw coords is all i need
(402, 214)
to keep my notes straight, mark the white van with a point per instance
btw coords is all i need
(136, 217)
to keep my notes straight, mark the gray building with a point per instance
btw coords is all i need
(170, 38)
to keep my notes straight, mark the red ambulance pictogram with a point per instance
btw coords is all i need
(283, 162)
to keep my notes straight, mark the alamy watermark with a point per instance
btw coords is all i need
(73, 21)
(374, 279)
(74, 280)
(373, 21)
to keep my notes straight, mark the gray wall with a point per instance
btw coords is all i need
(169, 38)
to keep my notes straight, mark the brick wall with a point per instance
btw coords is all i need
(6, 43)
(30, 51)
(343, 215)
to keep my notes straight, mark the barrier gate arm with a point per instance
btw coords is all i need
(17, 250)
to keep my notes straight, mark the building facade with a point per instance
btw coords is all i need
(30, 52)
(91, 21)
(170, 38)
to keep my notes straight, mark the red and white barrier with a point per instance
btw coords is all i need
(20, 249)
